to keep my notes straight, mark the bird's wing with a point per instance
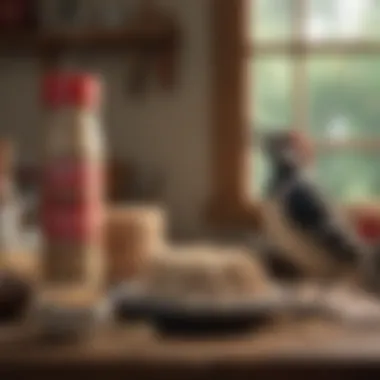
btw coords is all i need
(307, 210)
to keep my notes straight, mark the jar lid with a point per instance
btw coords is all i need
(71, 89)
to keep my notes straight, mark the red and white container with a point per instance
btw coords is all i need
(73, 181)
(10, 202)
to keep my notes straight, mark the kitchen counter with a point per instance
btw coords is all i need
(307, 349)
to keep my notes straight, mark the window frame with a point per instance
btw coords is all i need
(230, 203)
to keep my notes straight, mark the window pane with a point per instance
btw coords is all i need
(270, 92)
(271, 19)
(344, 176)
(344, 93)
(259, 173)
(350, 176)
(343, 19)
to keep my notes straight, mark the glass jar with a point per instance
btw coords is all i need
(63, 15)
(113, 14)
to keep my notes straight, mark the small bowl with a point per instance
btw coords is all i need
(15, 297)
(58, 322)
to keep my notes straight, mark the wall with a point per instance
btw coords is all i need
(169, 131)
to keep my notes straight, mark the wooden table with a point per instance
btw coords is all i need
(304, 349)
(307, 349)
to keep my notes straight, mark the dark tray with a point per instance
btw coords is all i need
(129, 304)
(206, 321)
(206, 318)
(127, 310)
(183, 320)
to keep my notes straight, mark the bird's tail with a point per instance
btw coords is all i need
(274, 260)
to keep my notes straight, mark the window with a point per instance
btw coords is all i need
(304, 64)
(315, 65)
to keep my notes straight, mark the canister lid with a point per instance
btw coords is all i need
(71, 89)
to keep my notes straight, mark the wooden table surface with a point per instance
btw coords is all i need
(308, 346)
(307, 349)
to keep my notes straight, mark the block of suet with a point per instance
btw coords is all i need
(205, 272)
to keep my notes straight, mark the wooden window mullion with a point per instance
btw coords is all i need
(229, 133)
(294, 48)
(299, 104)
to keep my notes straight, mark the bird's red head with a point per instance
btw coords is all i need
(303, 145)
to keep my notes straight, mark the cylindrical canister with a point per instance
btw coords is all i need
(73, 182)
(133, 234)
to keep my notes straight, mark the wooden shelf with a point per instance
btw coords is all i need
(152, 37)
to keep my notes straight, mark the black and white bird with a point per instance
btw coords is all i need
(299, 219)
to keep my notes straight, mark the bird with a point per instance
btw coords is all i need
(303, 222)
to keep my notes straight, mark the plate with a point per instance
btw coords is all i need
(210, 318)
(353, 308)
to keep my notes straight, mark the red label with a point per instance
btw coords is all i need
(72, 203)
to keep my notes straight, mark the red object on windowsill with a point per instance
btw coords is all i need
(368, 227)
